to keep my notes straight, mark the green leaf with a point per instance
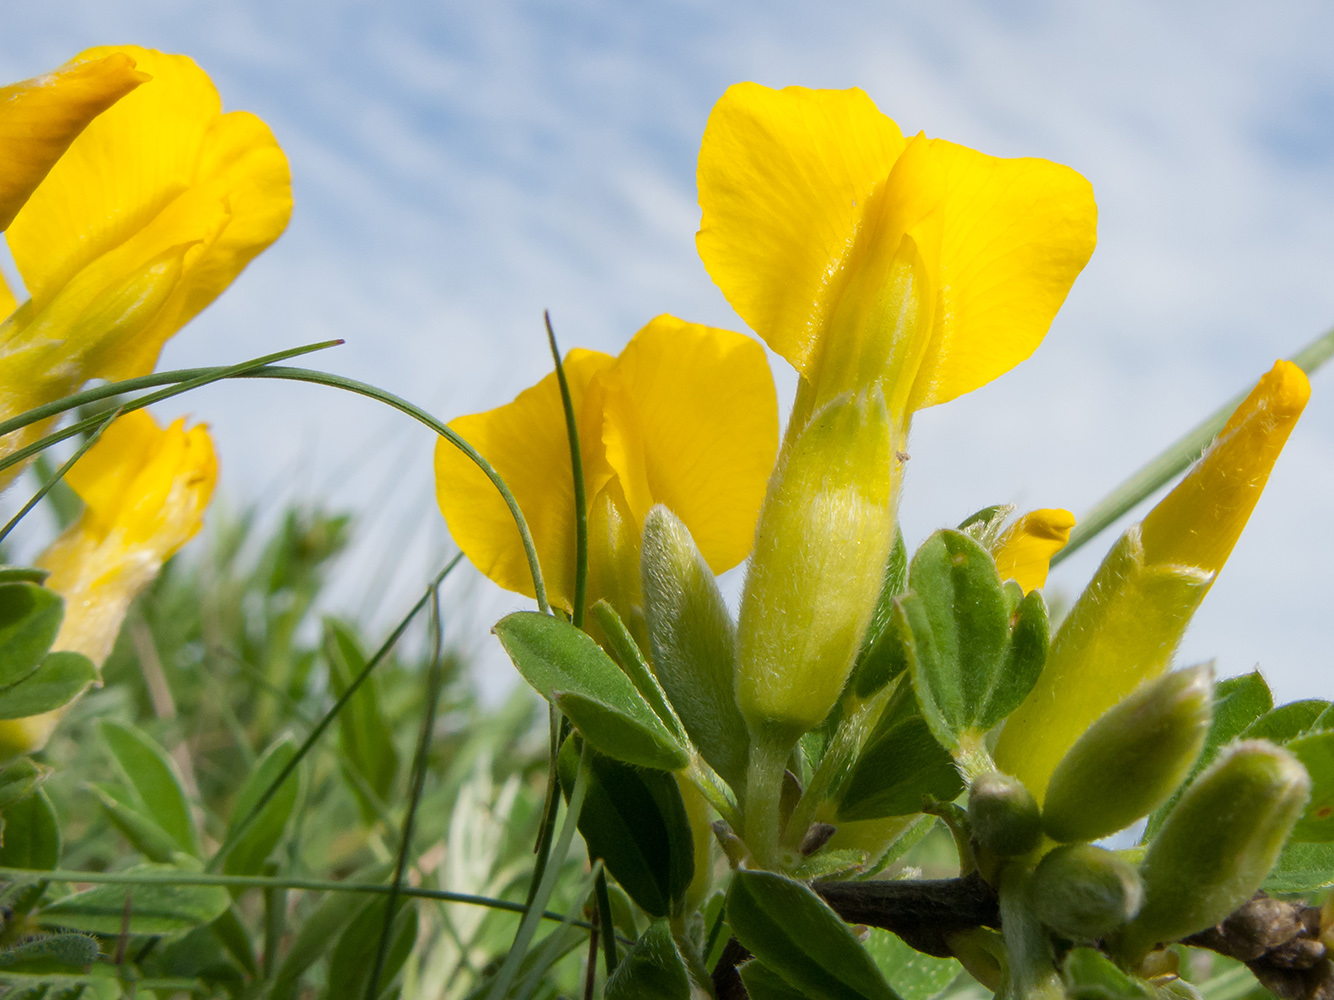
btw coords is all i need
(1025, 656)
(152, 775)
(249, 853)
(144, 835)
(156, 908)
(628, 656)
(900, 762)
(1316, 752)
(762, 983)
(571, 670)
(321, 927)
(364, 736)
(1288, 721)
(1302, 868)
(353, 956)
(652, 970)
(30, 617)
(635, 821)
(912, 974)
(31, 834)
(959, 621)
(23, 574)
(58, 680)
(234, 937)
(693, 639)
(17, 779)
(794, 932)
(1238, 702)
(1091, 975)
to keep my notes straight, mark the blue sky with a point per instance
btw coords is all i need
(458, 168)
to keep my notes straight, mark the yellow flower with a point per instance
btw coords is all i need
(1127, 623)
(863, 257)
(144, 490)
(1024, 550)
(151, 212)
(685, 416)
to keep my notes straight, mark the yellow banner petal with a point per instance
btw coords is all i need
(40, 117)
(527, 444)
(784, 177)
(691, 422)
(163, 168)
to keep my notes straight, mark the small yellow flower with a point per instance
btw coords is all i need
(154, 208)
(1024, 550)
(1128, 621)
(864, 257)
(144, 490)
(685, 416)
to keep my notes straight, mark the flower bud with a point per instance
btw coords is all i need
(824, 534)
(1128, 621)
(1083, 892)
(1217, 844)
(1003, 814)
(1024, 550)
(1131, 760)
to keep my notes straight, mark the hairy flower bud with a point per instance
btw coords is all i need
(1003, 814)
(1217, 844)
(1131, 760)
(824, 533)
(1083, 892)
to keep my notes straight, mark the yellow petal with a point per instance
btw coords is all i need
(161, 169)
(40, 117)
(7, 301)
(1199, 522)
(927, 265)
(1024, 551)
(146, 490)
(784, 177)
(1015, 235)
(691, 422)
(526, 442)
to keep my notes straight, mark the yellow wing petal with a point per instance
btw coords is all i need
(691, 421)
(40, 117)
(784, 177)
(1014, 236)
(162, 169)
(526, 442)
(1024, 552)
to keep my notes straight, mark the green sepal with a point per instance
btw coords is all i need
(1217, 845)
(636, 822)
(1132, 758)
(30, 617)
(794, 932)
(900, 762)
(694, 643)
(652, 970)
(569, 669)
(1003, 815)
(1084, 893)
